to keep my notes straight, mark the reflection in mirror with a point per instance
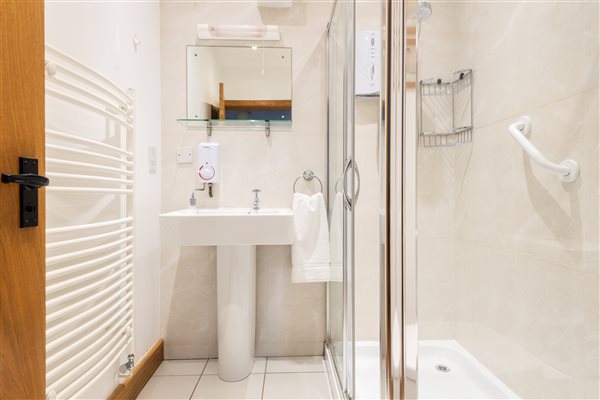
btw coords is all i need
(239, 83)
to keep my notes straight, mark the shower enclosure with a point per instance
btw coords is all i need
(497, 295)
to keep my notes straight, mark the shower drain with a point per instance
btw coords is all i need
(442, 368)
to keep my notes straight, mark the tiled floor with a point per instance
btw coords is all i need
(271, 378)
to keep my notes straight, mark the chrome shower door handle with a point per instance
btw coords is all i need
(350, 201)
(357, 172)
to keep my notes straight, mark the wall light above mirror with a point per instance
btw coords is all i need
(239, 83)
(238, 32)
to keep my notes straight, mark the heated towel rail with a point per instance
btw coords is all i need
(567, 170)
(89, 264)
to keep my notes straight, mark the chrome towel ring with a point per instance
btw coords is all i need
(308, 176)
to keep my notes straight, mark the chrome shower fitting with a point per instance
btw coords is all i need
(424, 10)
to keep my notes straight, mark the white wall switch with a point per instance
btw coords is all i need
(152, 159)
(184, 155)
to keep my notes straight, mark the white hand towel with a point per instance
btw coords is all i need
(310, 251)
(336, 238)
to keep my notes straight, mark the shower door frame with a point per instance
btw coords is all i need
(401, 344)
(346, 388)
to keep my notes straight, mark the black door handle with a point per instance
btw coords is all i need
(29, 182)
(32, 181)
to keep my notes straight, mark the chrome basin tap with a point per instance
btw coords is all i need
(256, 202)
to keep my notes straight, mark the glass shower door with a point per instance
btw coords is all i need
(341, 198)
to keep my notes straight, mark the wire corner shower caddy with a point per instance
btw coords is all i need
(445, 111)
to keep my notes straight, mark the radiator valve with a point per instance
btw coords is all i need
(125, 369)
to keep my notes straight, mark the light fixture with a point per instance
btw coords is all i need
(238, 32)
(254, 47)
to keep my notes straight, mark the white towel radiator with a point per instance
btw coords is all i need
(89, 264)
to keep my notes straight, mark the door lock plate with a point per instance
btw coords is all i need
(29, 182)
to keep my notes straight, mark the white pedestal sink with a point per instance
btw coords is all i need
(235, 232)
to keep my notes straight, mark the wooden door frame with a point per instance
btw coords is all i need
(22, 250)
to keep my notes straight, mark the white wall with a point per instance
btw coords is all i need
(100, 35)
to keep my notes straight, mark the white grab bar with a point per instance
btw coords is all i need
(567, 170)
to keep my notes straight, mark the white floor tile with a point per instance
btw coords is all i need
(212, 387)
(213, 366)
(296, 364)
(306, 385)
(169, 387)
(181, 367)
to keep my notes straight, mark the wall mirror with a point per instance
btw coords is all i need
(239, 83)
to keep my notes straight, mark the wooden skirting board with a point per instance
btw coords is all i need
(142, 372)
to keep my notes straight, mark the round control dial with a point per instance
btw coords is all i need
(206, 172)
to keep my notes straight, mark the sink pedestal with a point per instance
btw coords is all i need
(236, 309)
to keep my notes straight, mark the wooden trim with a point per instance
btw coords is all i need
(221, 100)
(22, 250)
(258, 104)
(131, 387)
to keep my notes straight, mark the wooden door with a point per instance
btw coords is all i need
(22, 250)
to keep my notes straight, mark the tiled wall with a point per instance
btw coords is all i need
(290, 318)
(522, 291)
(436, 195)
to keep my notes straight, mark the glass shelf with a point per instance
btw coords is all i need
(234, 124)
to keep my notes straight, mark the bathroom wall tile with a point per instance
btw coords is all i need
(549, 318)
(188, 315)
(436, 288)
(439, 54)
(531, 211)
(287, 323)
(535, 49)
(367, 219)
(249, 160)
(591, 127)
(367, 286)
(435, 192)
(591, 337)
